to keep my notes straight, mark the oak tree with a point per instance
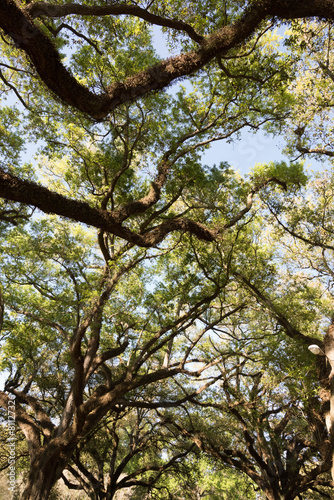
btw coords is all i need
(93, 321)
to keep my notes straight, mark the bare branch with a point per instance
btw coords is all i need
(79, 35)
(41, 9)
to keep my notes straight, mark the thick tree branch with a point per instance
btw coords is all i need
(43, 420)
(26, 423)
(17, 24)
(27, 192)
(318, 151)
(30, 193)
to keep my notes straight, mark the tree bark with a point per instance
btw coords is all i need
(17, 23)
(329, 417)
(45, 470)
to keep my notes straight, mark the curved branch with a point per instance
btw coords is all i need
(14, 89)
(250, 199)
(141, 205)
(75, 32)
(18, 24)
(299, 236)
(26, 423)
(42, 419)
(30, 193)
(42, 9)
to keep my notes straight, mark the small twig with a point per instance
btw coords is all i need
(17, 69)
(80, 35)
(6, 82)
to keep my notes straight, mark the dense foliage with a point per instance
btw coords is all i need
(156, 311)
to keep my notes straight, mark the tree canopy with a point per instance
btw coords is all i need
(156, 311)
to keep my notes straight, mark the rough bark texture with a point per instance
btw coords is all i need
(15, 189)
(45, 470)
(17, 23)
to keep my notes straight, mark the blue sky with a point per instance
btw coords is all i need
(251, 148)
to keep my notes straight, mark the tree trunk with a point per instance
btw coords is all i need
(275, 494)
(329, 417)
(45, 470)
